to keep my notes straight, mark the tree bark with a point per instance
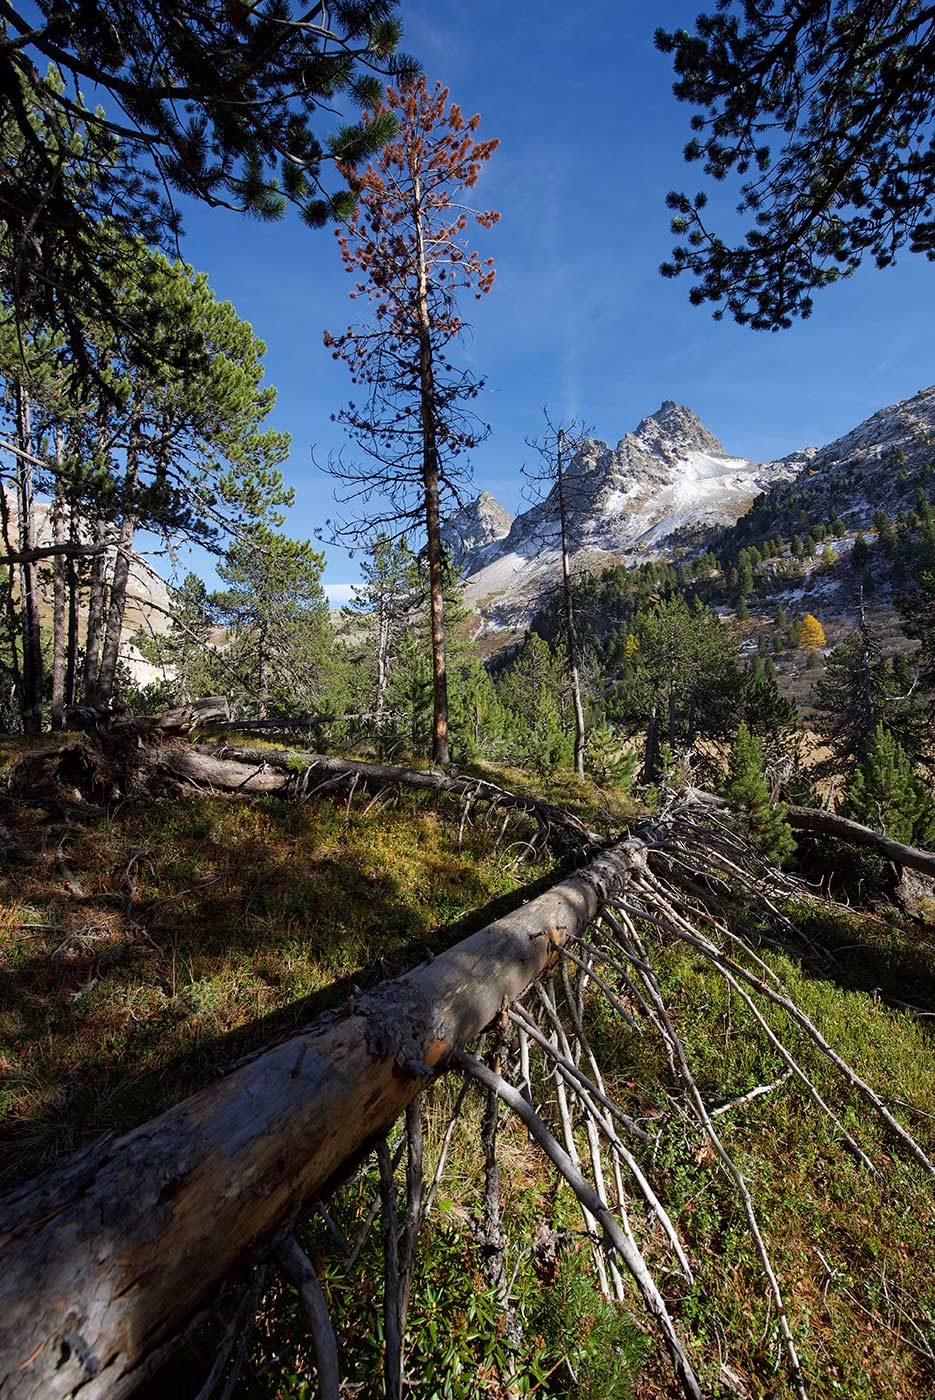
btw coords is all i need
(59, 602)
(434, 547)
(9, 605)
(28, 575)
(71, 649)
(262, 706)
(652, 746)
(235, 769)
(106, 1258)
(383, 660)
(830, 824)
(92, 643)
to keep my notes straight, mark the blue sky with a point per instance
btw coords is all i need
(591, 141)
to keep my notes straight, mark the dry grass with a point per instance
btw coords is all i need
(140, 953)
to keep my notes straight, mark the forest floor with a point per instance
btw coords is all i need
(146, 950)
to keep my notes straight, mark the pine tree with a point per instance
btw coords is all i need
(558, 448)
(748, 789)
(384, 602)
(609, 761)
(409, 699)
(407, 241)
(857, 692)
(184, 456)
(824, 112)
(191, 662)
(886, 794)
(682, 682)
(532, 690)
(766, 712)
(220, 103)
(917, 611)
(282, 643)
(860, 552)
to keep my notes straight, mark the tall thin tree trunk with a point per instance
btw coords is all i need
(434, 546)
(71, 648)
(11, 616)
(97, 595)
(571, 638)
(58, 593)
(383, 659)
(29, 573)
(652, 746)
(262, 676)
(110, 650)
(92, 643)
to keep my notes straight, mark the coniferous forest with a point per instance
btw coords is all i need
(509, 970)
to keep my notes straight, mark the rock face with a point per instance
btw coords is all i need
(147, 600)
(475, 525)
(623, 503)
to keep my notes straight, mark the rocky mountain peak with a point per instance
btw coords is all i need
(673, 432)
(670, 474)
(476, 524)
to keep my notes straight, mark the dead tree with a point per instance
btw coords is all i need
(406, 240)
(109, 1258)
(555, 525)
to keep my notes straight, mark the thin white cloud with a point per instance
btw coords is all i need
(338, 593)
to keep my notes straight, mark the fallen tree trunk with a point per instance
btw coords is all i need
(127, 756)
(106, 1259)
(230, 768)
(301, 722)
(830, 824)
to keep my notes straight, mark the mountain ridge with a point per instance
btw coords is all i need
(671, 476)
(669, 472)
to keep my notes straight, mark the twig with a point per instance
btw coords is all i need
(253, 1302)
(245, 1307)
(614, 1236)
(361, 1238)
(815, 1035)
(752, 1094)
(443, 1151)
(415, 1188)
(784, 1054)
(704, 1118)
(393, 1357)
(298, 1269)
(582, 1088)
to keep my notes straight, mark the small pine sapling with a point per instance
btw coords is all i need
(887, 794)
(748, 789)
